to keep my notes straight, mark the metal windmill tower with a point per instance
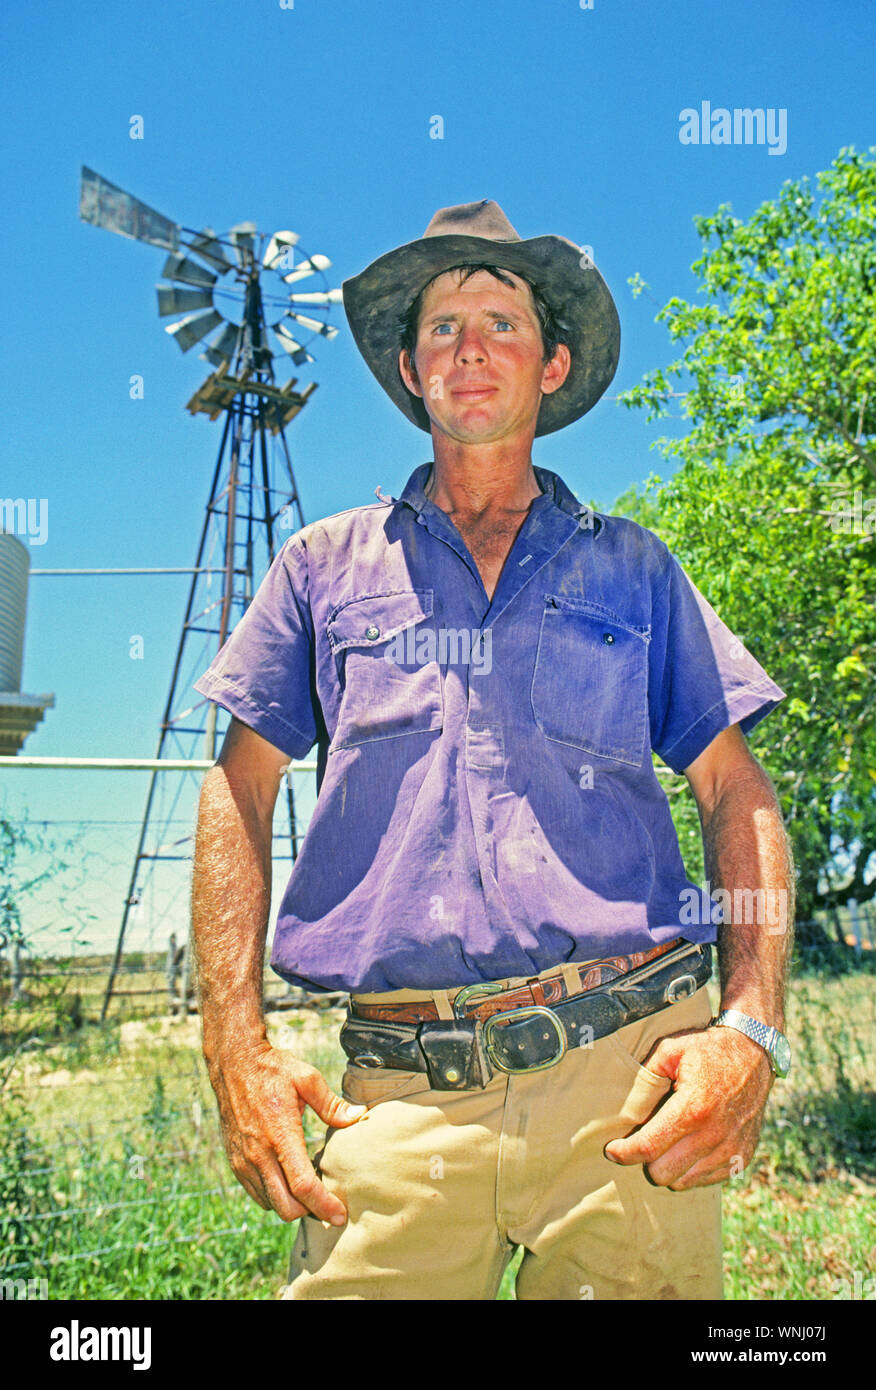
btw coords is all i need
(246, 285)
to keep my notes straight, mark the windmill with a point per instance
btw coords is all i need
(246, 285)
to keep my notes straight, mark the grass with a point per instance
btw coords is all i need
(114, 1183)
(799, 1223)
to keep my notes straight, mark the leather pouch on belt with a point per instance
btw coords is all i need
(454, 1053)
(370, 1043)
(643, 992)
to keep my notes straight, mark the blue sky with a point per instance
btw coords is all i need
(317, 117)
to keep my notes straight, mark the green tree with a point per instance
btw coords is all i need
(773, 508)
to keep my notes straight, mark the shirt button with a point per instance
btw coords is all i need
(372, 633)
(608, 638)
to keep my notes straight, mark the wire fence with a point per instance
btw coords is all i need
(114, 1182)
(113, 1177)
(150, 983)
(69, 888)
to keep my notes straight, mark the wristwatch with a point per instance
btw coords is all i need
(774, 1043)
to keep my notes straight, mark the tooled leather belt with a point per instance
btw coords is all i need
(540, 992)
(527, 1028)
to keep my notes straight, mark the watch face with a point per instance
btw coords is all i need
(782, 1055)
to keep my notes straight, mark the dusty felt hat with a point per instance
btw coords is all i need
(376, 300)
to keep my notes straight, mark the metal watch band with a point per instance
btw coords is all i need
(770, 1039)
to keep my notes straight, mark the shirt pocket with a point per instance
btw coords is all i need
(388, 690)
(590, 683)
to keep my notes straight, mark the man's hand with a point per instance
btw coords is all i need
(262, 1094)
(261, 1090)
(708, 1128)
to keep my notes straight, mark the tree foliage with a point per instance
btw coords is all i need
(773, 507)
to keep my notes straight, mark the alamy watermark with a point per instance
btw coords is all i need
(77, 1343)
(744, 125)
(26, 516)
(853, 515)
(859, 1287)
(23, 1289)
(761, 907)
(448, 646)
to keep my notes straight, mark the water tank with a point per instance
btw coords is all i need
(14, 568)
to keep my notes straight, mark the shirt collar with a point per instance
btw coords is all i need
(554, 491)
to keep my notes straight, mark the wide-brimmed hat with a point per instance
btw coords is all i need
(376, 300)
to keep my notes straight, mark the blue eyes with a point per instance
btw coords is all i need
(499, 323)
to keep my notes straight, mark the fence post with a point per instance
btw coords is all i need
(856, 924)
(171, 970)
(186, 975)
(16, 971)
(837, 923)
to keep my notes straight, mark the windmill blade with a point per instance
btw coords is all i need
(277, 247)
(192, 329)
(224, 347)
(206, 245)
(286, 339)
(105, 205)
(318, 297)
(188, 272)
(308, 267)
(328, 330)
(173, 301)
(299, 354)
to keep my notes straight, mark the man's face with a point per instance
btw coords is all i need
(479, 361)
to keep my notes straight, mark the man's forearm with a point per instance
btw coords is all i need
(708, 1129)
(747, 854)
(231, 900)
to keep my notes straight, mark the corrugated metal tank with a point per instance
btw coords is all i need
(14, 568)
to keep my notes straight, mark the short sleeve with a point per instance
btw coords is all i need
(262, 674)
(701, 677)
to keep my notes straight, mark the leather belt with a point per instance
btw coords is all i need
(543, 993)
(462, 1053)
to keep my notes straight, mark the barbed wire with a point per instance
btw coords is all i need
(124, 1248)
(102, 1209)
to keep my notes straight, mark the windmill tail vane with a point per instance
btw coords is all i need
(229, 269)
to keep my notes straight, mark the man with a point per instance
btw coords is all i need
(491, 869)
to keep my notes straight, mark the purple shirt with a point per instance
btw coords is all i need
(488, 805)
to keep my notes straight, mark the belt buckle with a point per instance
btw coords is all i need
(531, 1011)
(468, 991)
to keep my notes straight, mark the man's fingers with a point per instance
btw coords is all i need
(248, 1175)
(670, 1124)
(295, 1191)
(664, 1057)
(332, 1109)
(701, 1175)
(685, 1164)
(261, 1104)
(679, 1156)
(304, 1189)
(285, 1182)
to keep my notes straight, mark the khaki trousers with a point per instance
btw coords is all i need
(441, 1186)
